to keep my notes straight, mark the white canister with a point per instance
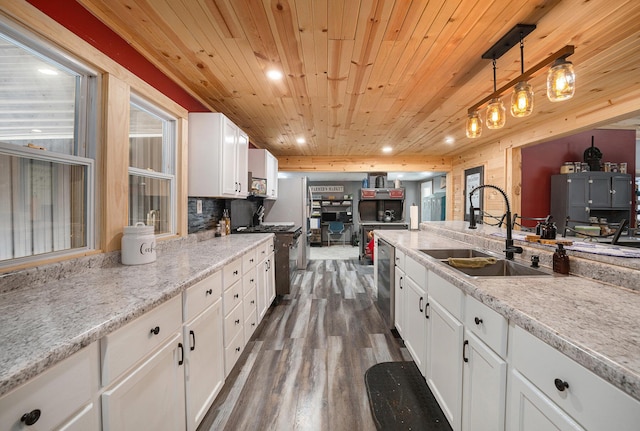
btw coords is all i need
(138, 245)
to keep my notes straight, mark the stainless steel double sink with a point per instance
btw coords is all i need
(502, 267)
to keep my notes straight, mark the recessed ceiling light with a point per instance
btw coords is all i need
(36, 130)
(301, 140)
(387, 149)
(274, 74)
(449, 140)
(46, 71)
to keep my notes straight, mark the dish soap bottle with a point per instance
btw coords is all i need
(560, 260)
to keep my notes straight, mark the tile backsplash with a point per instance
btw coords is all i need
(211, 212)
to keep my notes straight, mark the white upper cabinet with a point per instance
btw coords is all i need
(218, 157)
(263, 164)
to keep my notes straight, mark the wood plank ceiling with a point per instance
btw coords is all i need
(363, 74)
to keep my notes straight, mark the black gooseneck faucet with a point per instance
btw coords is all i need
(510, 249)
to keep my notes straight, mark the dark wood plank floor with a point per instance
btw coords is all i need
(304, 367)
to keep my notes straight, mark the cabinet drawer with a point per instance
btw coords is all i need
(416, 271)
(231, 298)
(249, 261)
(57, 393)
(201, 295)
(591, 401)
(448, 295)
(249, 280)
(233, 324)
(232, 352)
(250, 325)
(486, 324)
(123, 348)
(264, 250)
(400, 259)
(249, 302)
(232, 272)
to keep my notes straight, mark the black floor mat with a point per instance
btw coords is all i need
(401, 400)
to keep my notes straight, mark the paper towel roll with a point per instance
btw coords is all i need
(413, 217)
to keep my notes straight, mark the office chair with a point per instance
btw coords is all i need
(335, 228)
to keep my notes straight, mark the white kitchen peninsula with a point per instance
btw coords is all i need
(585, 331)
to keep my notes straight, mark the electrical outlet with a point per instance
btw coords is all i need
(198, 206)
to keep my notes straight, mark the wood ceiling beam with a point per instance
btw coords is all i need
(363, 164)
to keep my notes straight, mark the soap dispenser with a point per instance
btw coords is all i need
(560, 260)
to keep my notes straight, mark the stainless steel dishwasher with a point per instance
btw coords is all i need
(386, 280)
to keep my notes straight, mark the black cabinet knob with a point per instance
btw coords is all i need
(561, 385)
(156, 330)
(236, 296)
(209, 292)
(31, 417)
(477, 320)
(237, 321)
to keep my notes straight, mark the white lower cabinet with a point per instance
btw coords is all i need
(484, 386)
(63, 397)
(444, 361)
(531, 410)
(152, 395)
(266, 286)
(547, 387)
(204, 362)
(415, 331)
(400, 300)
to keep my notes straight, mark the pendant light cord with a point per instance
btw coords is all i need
(521, 55)
(494, 75)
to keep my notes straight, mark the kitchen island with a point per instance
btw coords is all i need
(589, 316)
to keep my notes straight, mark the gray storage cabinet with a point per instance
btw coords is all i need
(591, 194)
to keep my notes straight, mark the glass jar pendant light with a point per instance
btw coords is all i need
(522, 96)
(561, 81)
(474, 125)
(496, 112)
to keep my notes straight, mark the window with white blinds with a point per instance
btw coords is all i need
(152, 138)
(47, 116)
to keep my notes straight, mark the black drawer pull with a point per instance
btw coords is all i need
(464, 350)
(401, 287)
(420, 305)
(209, 292)
(181, 347)
(561, 385)
(31, 417)
(477, 320)
(193, 340)
(426, 308)
(156, 330)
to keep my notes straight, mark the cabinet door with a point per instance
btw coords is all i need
(600, 191)
(578, 196)
(416, 324)
(621, 191)
(204, 362)
(399, 296)
(484, 387)
(263, 288)
(530, 410)
(272, 176)
(242, 164)
(271, 280)
(228, 166)
(152, 396)
(444, 361)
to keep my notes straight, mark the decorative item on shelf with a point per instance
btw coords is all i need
(593, 156)
(560, 82)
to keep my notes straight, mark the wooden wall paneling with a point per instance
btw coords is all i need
(363, 164)
(115, 162)
(182, 166)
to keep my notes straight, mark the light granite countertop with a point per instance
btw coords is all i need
(593, 322)
(52, 314)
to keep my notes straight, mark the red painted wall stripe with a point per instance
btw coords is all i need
(78, 20)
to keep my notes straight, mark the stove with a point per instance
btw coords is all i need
(267, 229)
(286, 251)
